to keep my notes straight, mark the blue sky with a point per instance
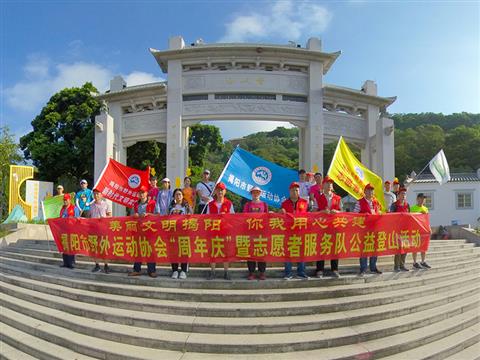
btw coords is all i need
(427, 53)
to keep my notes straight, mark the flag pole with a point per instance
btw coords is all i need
(335, 153)
(421, 171)
(221, 175)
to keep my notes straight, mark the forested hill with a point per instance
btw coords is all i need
(418, 137)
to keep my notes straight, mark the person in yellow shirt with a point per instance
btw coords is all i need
(420, 207)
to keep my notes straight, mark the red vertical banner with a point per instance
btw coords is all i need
(121, 183)
(234, 237)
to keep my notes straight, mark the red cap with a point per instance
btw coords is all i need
(221, 186)
(96, 190)
(294, 185)
(66, 197)
(369, 186)
(387, 182)
(143, 189)
(327, 179)
(402, 189)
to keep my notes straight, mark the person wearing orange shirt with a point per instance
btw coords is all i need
(189, 193)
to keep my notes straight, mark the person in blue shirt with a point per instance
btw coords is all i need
(164, 198)
(83, 199)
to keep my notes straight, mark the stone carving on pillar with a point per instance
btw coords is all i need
(297, 83)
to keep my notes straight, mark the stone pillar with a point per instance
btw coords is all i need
(385, 149)
(175, 132)
(103, 142)
(314, 131)
(368, 153)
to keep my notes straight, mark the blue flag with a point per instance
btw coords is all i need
(245, 170)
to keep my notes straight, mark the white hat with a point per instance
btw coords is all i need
(255, 188)
(165, 180)
(59, 187)
(206, 171)
(83, 181)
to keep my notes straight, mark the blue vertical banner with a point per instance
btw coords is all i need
(245, 170)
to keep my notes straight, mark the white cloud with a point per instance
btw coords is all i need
(42, 80)
(140, 77)
(285, 20)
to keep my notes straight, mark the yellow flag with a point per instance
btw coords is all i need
(352, 176)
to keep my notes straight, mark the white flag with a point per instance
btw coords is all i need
(439, 168)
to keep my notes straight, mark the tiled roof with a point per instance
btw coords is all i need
(455, 177)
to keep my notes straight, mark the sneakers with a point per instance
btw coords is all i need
(183, 275)
(318, 273)
(362, 273)
(425, 265)
(262, 276)
(135, 273)
(403, 268)
(335, 274)
(153, 274)
(175, 275)
(396, 269)
(288, 277)
(226, 275)
(96, 268)
(106, 269)
(211, 275)
(302, 276)
(417, 266)
(251, 276)
(376, 271)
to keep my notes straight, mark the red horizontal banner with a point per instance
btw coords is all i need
(233, 237)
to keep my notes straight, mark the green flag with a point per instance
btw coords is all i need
(53, 205)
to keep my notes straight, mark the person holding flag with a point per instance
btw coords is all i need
(144, 206)
(295, 205)
(328, 203)
(256, 206)
(401, 206)
(153, 190)
(220, 205)
(67, 211)
(368, 205)
(204, 191)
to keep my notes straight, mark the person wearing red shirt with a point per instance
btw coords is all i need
(144, 206)
(67, 211)
(295, 205)
(316, 190)
(153, 189)
(368, 205)
(400, 205)
(256, 206)
(220, 205)
(329, 203)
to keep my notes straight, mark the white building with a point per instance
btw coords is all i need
(454, 203)
(260, 82)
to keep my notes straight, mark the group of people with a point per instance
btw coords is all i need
(311, 193)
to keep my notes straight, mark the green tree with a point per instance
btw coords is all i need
(147, 153)
(463, 149)
(9, 155)
(62, 141)
(202, 140)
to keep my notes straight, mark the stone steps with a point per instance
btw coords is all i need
(386, 264)
(54, 313)
(464, 341)
(240, 343)
(34, 292)
(20, 345)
